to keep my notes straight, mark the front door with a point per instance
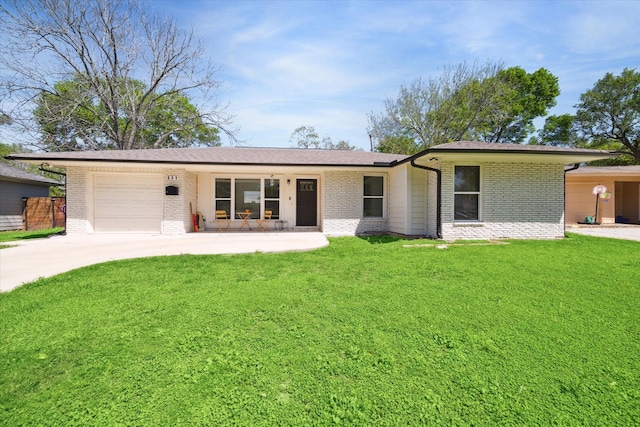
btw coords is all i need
(307, 202)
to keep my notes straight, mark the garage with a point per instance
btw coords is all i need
(127, 203)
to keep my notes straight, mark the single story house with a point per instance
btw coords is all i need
(459, 190)
(15, 184)
(618, 202)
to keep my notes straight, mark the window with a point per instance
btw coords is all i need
(272, 197)
(466, 193)
(223, 195)
(254, 195)
(247, 198)
(373, 196)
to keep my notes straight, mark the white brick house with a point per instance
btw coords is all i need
(461, 190)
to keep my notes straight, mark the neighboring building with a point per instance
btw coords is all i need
(622, 185)
(461, 190)
(15, 184)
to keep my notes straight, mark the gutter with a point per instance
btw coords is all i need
(44, 168)
(204, 163)
(438, 197)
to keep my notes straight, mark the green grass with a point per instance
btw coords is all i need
(10, 236)
(365, 332)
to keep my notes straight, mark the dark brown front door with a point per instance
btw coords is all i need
(307, 202)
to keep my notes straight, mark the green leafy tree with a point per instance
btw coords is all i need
(307, 137)
(111, 70)
(6, 149)
(485, 103)
(608, 115)
(400, 144)
(74, 117)
(434, 111)
(559, 131)
(518, 98)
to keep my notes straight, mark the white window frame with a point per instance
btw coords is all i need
(478, 193)
(381, 197)
(263, 198)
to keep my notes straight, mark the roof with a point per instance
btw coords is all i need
(606, 170)
(474, 146)
(461, 150)
(11, 173)
(312, 157)
(224, 155)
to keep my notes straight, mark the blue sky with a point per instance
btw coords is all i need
(328, 64)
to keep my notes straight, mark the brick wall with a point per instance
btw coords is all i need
(342, 203)
(77, 201)
(173, 207)
(176, 218)
(518, 200)
(432, 204)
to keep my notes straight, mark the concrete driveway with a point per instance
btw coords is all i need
(617, 231)
(30, 260)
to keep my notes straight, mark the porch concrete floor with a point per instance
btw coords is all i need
(29, 260)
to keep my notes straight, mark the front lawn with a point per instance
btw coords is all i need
(10, 236)
(365, 332)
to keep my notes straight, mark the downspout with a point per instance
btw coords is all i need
(564, 189)
(438, 197)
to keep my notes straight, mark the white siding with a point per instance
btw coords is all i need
(398, 199)
(419, 202)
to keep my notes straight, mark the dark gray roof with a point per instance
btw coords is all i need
(293, 156)
(10, 173)
(476, 147)
(225, 155)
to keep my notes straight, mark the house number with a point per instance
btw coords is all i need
(306, 185)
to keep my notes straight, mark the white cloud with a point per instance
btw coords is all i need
(328, 63)
(604, 28)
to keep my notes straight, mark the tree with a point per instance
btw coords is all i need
(485, 103)
(608, 115)
(75, 119)
(518, 98)
(124, 65)
(6, 149)
(341, 145)
(559, 131)
(307, 137)
(433, 111)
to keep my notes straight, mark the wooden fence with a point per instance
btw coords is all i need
(39, 213)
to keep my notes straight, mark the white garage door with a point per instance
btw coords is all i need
(127, 203)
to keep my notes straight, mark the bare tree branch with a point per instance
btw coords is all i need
(107, 47)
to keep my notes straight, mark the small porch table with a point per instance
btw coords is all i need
(244, 216)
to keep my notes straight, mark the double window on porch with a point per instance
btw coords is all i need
(254, 195)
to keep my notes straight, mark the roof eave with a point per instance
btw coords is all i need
(65, 161)
(556, 156)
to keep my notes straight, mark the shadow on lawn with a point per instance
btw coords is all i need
(383, 238)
